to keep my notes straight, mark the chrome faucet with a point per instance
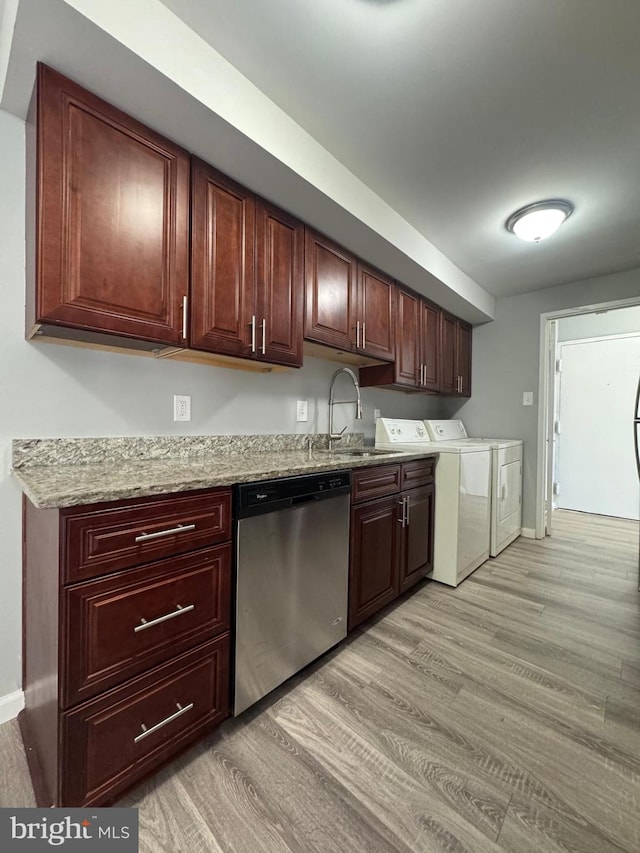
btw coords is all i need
(336, 436)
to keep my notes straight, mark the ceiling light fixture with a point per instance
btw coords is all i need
(537, 221)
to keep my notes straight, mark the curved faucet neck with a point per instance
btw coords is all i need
(333, 436)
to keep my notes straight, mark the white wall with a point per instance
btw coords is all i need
(53, 391)
(615, 322)
(505, 363)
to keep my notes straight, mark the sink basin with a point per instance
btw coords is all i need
(360, 451)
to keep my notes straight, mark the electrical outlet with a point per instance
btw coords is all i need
(527, 398)
(181, 407)
(376, 414)
(301, 411)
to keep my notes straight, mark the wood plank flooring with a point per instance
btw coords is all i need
(500, 716)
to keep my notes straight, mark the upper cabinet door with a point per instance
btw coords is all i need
(464, 359)
(448, 361)
(112, 218)
(279, 271)
(331, 292)
(430, 340)
(222, 311)
(376, 313)
(408, 339)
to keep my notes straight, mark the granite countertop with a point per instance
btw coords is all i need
(68, 484)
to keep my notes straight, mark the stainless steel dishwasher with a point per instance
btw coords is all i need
(292, 577)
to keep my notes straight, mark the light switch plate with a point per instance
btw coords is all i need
(527, 398)
(301, 411)
(376, 414)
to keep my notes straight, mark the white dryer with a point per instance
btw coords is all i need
(462, 499)
(506, 478)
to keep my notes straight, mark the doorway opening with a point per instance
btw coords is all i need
(583, 326)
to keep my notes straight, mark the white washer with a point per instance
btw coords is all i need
(506, 478)
(463, 504)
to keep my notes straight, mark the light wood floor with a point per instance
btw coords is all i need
(501, 716)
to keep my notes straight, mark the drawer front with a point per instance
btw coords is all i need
(112, 741)
(123, 624)
(374, 482)
(419, 472)
(116, 536)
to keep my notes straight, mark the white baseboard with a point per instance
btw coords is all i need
(11, 705)
(528, 532)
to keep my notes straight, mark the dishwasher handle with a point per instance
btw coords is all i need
(304, 499)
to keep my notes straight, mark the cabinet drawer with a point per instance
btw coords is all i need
(114, 740)
(375, 482)
(123, 624)
(115, 536)
(419, 472)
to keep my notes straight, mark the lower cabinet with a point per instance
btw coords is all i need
(127, 616)
(392, 514)
(375, 540)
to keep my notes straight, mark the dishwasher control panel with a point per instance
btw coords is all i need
(286, 492)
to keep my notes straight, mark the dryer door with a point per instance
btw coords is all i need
(507, 499)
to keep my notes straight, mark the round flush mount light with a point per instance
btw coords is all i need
(537, 221)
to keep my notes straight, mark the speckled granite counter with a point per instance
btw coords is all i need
(63, 483)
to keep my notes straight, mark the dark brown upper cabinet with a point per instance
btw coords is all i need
(455, 353)
(110, 228)
(416, 365)
(430, 346)
(376, 314)
(349, 305)
(330, 310)
(246, 272)
(464, 358)
(279, 285)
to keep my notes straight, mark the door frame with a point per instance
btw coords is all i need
(547, 403)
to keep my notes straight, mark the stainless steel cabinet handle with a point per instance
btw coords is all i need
(358, 334)
(185, 307)
(503, 492)
(264, 335)
(402, 519)
(406, 503)
(181, 528)
(146, 732)
(424, 374)
(172, 615)
(253, 333)
(364, 340)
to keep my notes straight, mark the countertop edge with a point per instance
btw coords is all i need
(69, 495)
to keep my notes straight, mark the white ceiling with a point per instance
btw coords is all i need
(457, 112)
(442, 116)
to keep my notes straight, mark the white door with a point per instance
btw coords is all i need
(596, 469)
